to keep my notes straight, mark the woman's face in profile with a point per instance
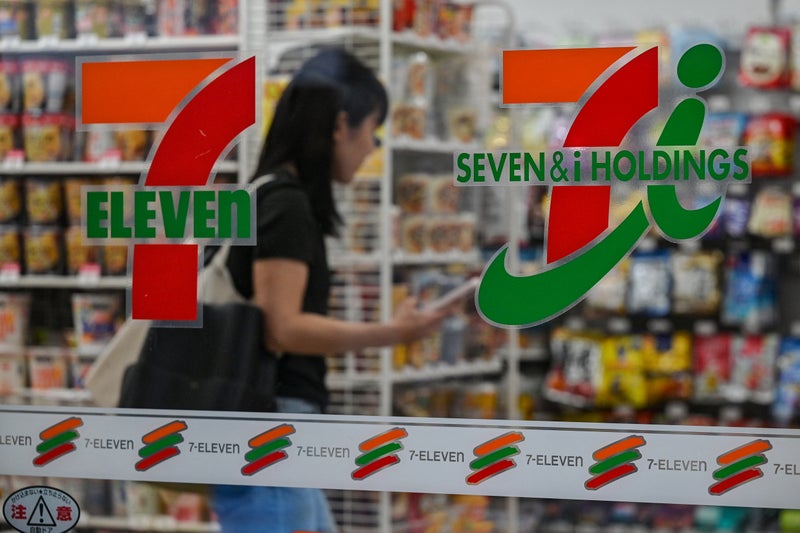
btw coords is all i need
(351, 146)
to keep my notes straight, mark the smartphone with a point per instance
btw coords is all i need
(459, 293)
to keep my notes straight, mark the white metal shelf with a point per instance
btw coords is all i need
(70, 168)
(432, 145)
(338, 381)
(65, 282)
(85, 44)
(54, 395)
(146, 523)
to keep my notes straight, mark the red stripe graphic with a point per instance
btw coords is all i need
(732, 482)
(612, 475)
(490, 471)
(260, 464)
(368, 470)
(55, 453)
(157, 457)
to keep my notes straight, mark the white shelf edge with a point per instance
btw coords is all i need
(68, 395)
(126, 44)
(69, 168)
(149, 523)
(66, 282)
(401, 258)
(338, 381)
(432, 145)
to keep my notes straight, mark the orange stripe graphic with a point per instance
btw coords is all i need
(618, 447)
(272, 434)
(554, 76)
(61, 427)
(380, 440)
(500, 442)
(116, 92)
(751, 448)
(163, 431)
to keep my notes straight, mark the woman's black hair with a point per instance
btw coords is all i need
(305, 118)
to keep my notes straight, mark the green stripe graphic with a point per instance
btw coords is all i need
(738, 466)
(257, 453)
(611, 462)
(57, 441)
(493, 457)
(377, 453)
(160, 444)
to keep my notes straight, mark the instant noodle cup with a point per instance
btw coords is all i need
(411, 193)
(10, 86)
(44, 202)
(47, 367)
(115, 260)
(12, 373)
(44, 85)
(79, 254)
(10, 199)
(73, 199)
(14, 319)
(45, 137)
(132, 144)
(43, 250)
(96, 317)
(414, 234)
(9, 134)
(97, 144)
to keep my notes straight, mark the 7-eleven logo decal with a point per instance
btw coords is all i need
(615, 87)
(205, 103)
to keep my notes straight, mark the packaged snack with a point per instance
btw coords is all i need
(14, 319)
(712, 365)
(79, 255)
(10, 247)
(79, 366)
(10, 200)
(695, 282)
(44, 202)
(462, 25)
(443, 196)
(43, 250)
(10, 86)
(115, 260)
(649, 283)
(466, 232)
(12, 373)
(14, 17)
(425, 18)
(735, 215)
(574, 372)
(402, 15)
(622, 380)
(44, 85)
(45, 137)
(132, 144)
(409, 120)
(750, 297)
(98, 144)
(9, 135)
(787, 392)
(443, 234)
(92, 17)
(765, 58)
(462, 124)
(411, 193)
(73, 197)
(415, 234)
(770, 140)
(96, 317)
(771, 214)
(753, 368)
(47, 367)
(52, 19)
(608, 295)
(668, 363)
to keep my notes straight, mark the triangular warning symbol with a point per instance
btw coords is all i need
(41, 516)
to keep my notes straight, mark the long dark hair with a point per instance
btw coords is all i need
(305, 117)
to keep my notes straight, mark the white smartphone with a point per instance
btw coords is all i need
(459, 293)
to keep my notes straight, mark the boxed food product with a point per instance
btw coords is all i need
(44, 203)
(43, 250)
(10, 199)
(13, 372)
(96, 317)
(14, 320)
(47, 367)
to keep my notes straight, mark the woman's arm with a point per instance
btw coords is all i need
(278, 289)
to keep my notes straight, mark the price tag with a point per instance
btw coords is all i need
(15, 159)
(110, 159)
(10, 273)
(89, 274)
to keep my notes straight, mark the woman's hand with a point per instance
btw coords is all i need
(414, 323)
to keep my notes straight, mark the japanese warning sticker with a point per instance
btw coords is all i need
(41, 510)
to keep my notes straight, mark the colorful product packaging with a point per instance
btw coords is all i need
(770, 140)
(14, 321)
(765, 58)
(96, 317)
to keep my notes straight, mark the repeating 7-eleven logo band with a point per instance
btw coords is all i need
(205, 103)
(616, 87)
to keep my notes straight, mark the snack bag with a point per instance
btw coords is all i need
(712, 365)
(787, 392)
(668, 362)
(735, 216)
(753, 367)
(771, 216)
(608, 295)
(695, 282)
(751, 295)
(770, 140)
(622, 372)
(574, 372)
(765, 58)
(649, 284)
